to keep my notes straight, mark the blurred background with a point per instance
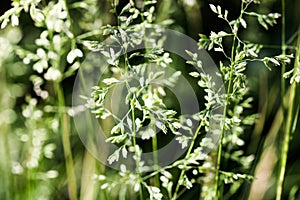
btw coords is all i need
(32, 156)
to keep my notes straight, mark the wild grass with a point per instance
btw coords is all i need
(42, 155)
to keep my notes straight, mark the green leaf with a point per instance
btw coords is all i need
(114, 157)
(110, 81)
(192, 55)
(273, 60)
(213, 8)
(4, 23)
(14, 20)
(116, 3)
(194, 74)
(92, 45)
(243, 23)
(125, 8)
(262, 22)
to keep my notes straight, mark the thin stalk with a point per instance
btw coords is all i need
(230, 84)
(89, 34)
(87, 189)
(154, 138)
(65, 124)
(154, 150)
(5, 155)
(287, 130)
(283, 51)
(158, 171)
(155, 159)
(187, 155)
(220, 148)
(135, 151)
(285, 125)
(6, 162)
(181, 192)
(65, 131)
(29, 183)
(285, 144)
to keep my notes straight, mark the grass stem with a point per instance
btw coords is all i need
(65, 131)
(283, 50)
(155, 159)
(220, 148)
(4, 127)
(287, 129)
(135, 150)
(187, 155)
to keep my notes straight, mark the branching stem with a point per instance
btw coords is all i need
(187, 155)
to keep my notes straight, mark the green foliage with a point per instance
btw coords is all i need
(46, 160)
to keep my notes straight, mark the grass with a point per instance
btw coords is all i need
(41, 154)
